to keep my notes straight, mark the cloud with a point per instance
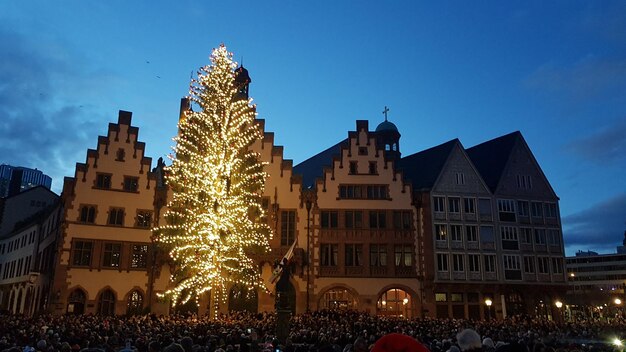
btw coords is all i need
(606, 146)
(589, 78)
(42, 124)
(599, 227)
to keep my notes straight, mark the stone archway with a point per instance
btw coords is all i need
(338, 297)
(395, 302)
(106, 302)
(76, 302)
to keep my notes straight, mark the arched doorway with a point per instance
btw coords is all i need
(106, 303)
(134, 305)
(395, 302)
(337, 298)
(76, 302)
(242, 299)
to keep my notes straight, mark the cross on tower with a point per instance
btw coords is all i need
(385, 112)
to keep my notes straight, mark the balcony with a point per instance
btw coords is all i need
(354, 271)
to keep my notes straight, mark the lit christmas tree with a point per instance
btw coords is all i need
(214, 219)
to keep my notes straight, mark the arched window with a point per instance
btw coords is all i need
(134, 306)
(106, 303)
(395, 302)
(337, 298)
(76, 302)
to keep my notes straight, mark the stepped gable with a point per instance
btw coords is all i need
(115, 130)
(313, 168)
(491, 157)
(422, 169)
(276, 153)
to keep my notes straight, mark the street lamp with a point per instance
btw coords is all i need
(558, 304)
(488, 302)
(617, 301)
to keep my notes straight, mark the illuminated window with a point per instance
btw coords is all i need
(112, 252)
(144, 218)
(140, 256)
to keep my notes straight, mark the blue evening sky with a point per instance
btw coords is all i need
(475, 70)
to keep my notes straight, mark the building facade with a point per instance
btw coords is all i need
(105, 263)
(597, 283)
(15, 179)
(437, 233)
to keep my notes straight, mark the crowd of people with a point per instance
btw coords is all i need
(332, 331)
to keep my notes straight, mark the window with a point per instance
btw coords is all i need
(543, 265)
(401, 220)
(537, 209)
(460, 178)
(522, 208)
(509, 237)
(353, 254)
(454, 205)
(354, 168)
(524, 182)
(439, 204)
(540, 236)
(329, 219)
(88, 214)
(484, 207)
(287, 227)
(557, 265)
(471, 233)
(116, 216)
(362, 150)
(354, 219)
(140, 256)
(529, 265)
(486, 234)
(328, 254)
(378, 255)
(512, 268)
(134, 305)
(457, 262)
(377, 192)
(106, 303)
(469, 205)
(506, 209)
(103, 181)
(490, 263)
(131, 184)
(441, 232)
(550, 210)
(120, 155)
(377, 219)
(526, 235)
(473, 261)
(403, 255)
(442, 262)
(363, 192)
(82, 253)
(373, 169)
(111, 256)
(456, 297)
(144, 218)
(456, 233)
(553, 237)
(441, 297)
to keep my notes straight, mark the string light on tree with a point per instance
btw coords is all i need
(214, 218)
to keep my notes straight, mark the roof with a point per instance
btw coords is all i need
(386, 126)
(491, 157)
(423, 168)
(313, 167)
